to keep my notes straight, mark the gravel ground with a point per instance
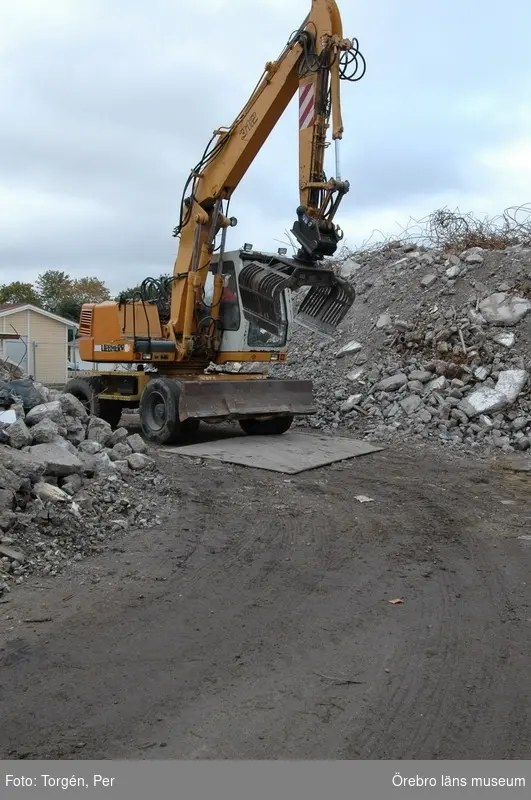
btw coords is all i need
(256, 621)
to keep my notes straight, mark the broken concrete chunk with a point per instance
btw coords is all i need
(57, 460)
(72, 483)
(10, 480)
(72, 406)
(437, 384)
(420, 375)
(14, 555)
(474, 258)
(453, 272)
(138, 461)
(7, 500)
(53, 411)
(355, 374)
(411, 403)
(424, 415)
(481, 373)
(90, 447)
(392, 383)
(19, 435)
(21, 464)
(75, 430)
(511, 382)
(45, 431)
(505, 339)
(102, 464)
(504, 310)
(483, 401)
(349, 268)
(348, 349)
(119, 435)
(122, 467)
(99, 431)
(136, 443)
(428, 280)
(49, 493)
(384, 321)
(353, 401)
(120, 451)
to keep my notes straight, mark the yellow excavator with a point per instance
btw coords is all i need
(182, 336)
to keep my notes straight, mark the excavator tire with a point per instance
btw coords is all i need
(87, 392)
(159, 413)
(266, 427)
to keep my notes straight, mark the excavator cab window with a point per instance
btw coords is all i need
(259, 337)
(229, 309)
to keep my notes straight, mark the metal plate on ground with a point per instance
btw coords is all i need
(289, 453)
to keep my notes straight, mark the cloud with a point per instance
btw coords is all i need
(108, 104)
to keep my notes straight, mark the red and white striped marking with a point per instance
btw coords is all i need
(306, 105)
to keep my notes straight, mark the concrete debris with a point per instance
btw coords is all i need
(505, 339)
(483, 401)
(349, 268)
(353, 401)
(449, 371)
(511, 382)
(99, 431)
(68, 482)
(47, 491)
(18, 434)
(428, 280)
(355, 374)
(14, 555)
(384, 321)
(139, 461)
(136, 443)
(453, 272)
(351, 347)
(391, 383)
(503, 309)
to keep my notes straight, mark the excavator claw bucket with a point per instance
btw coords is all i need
(246, 398)
(322, 309)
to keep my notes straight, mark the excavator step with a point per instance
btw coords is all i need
(322, 309)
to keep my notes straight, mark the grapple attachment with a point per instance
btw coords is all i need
(322, 309)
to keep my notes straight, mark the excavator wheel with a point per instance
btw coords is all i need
(159, 413)
(87, 392)
(266, 427)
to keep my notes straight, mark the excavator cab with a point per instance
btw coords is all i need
(256, 304)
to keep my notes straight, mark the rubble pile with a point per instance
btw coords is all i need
(436, 347)
(68, 482)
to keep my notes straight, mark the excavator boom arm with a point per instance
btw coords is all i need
(311, 64)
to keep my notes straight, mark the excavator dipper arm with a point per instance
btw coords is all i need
(312, 63)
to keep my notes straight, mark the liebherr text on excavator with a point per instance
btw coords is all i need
(222, 307)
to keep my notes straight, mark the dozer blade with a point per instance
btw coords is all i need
(322, 309)
(238, 399)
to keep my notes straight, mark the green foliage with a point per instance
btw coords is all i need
(18, 292)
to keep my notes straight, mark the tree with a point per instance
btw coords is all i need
(18, 292)
(64, 296)
(54, 287)
(90, 290)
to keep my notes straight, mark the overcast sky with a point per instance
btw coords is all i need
(105, 105)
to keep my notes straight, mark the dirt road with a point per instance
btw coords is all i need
(257, 622)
